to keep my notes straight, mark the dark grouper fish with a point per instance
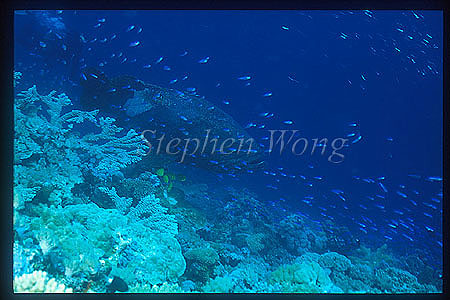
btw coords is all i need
(180, 127)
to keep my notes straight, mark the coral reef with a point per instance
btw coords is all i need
(22, 259)
(382, 256)
(150, 211)
(334, 261)
(50, 157)
(393, 280)
(220, 284)
(416, 266)
(161, 288)
(84, 213)
(91, 241)
(121, 203)
(84, 242)
(38, 282)
(249, 276)
(298, 236)
(255, 242)
(139, 187)
(201, 263)
(81, 240)
(304, 277)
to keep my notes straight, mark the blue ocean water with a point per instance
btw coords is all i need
(373, 78)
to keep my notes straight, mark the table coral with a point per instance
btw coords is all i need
(50, 156)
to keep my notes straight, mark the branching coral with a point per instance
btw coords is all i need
(122, 203)
(146, 183)
(111, 152)
(42, 162)
(38, 282)
(50, 156)
(148, 211)
(154, 215)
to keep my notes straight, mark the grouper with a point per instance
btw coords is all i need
(177, 126)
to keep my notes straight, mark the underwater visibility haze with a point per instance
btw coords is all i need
(228, 151)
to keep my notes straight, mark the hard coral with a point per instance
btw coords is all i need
(38, 282)
(334, 261)
(201, 263)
